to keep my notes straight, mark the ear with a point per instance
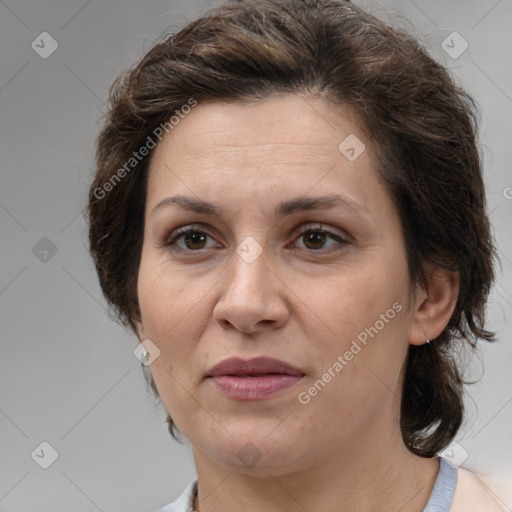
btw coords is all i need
(434, 305)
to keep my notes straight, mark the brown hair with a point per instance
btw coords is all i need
(423, 128)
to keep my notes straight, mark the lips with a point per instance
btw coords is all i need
(254, 379)
(253, 367)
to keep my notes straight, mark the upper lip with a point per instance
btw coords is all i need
(256, 366)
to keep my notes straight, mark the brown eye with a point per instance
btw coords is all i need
(315, 239)
(195, 240)
(192, 239)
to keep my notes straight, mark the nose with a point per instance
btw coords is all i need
(252, 297)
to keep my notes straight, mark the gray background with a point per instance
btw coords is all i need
(68, 374)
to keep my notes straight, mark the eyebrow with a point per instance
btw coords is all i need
(284, 208)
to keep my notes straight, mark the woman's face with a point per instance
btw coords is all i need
(254, 280)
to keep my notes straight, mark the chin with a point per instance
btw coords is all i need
(256, 446)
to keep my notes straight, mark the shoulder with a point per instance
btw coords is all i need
(473, 495)
(184, 502)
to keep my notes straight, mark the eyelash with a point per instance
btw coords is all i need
(317, 229)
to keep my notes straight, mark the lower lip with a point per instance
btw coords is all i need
(254, 388)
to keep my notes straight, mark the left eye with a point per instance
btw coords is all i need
(315, 238)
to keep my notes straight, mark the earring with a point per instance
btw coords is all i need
(427, 341)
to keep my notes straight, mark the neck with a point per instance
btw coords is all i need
(370, 474)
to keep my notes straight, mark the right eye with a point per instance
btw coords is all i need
(193, 239)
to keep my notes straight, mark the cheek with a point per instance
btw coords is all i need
(175, 312)
(355, 299)
(365, 310)
(163, 307)
(357, 378)
(166, 295)
(171, 312)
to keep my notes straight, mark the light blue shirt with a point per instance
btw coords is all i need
(440, 500)
(441, 497)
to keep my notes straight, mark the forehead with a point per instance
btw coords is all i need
(282, 145)
(277, 121)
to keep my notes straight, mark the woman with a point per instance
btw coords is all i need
(289, 212)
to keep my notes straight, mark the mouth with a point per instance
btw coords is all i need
(253, 379)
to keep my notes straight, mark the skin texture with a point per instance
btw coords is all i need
(302, 300)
